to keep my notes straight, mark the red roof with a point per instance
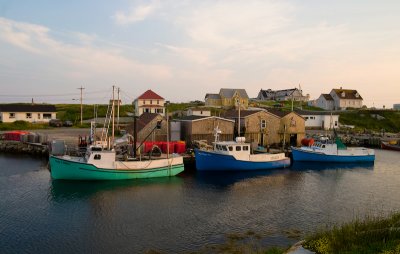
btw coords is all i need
(148, 95)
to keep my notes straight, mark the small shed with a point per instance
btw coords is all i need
(202, 128)
(258, 126)
(292, 127)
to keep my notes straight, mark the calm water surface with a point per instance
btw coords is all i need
(184, 213)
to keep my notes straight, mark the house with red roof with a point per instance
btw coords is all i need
(149, 102)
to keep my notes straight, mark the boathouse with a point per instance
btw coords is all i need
(203, 127)
(291, 128)
(27, 112)
(257, 126)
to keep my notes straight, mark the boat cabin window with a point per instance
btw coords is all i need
(96, 149)
(97, 157)
(224, 148)
(238, 148)
(230, 148)
(245, 148)
(323, 146)
(218, 147)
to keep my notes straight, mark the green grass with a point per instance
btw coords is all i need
(370, 235)
(72, 112)
(364, 119)
(22, 125)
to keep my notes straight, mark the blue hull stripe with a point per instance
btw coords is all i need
(219, 162)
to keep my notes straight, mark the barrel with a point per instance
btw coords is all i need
(180, 147)
(307, 141)
(165, 145)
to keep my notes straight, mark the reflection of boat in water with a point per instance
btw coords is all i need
(225, 178)
(304, 166)
(236, 156)
(332, 152)
(71, 190)
(391, 145)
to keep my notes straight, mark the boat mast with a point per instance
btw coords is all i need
(113, 116)
(238, 103)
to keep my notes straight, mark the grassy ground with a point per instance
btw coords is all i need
(370, 235)
(375, 120)
(22, 125)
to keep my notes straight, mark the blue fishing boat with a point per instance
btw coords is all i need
(236, 156)
(332, 152)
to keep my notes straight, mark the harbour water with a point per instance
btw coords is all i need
(185, 213)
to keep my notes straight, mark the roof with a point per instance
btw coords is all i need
(149, 94)
(348, 94)
(327, 97)
(243, 113)
(278, 93)
(229, 92)
(27, 108)
(305, 112)
(144, 119)
(213, 96)
(196, 118)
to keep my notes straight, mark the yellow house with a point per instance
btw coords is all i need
(228, 98)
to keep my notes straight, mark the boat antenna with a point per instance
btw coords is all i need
(113, 116)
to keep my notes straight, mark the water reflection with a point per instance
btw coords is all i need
(70, 190)
(305, 166)
(221, 179)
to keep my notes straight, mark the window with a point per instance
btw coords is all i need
(306, 118)
(147, 110)
(151, 101)
(158, 102)
(263, 124)
(336, 123)
(230, 148)
(46, 116)
(238, 148)
(12, 115)
(245, 148)
(28, 115)
(224, 148)
(38, 115)
(97, 157)
(159, 110)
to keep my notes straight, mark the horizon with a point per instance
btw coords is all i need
(185, 49)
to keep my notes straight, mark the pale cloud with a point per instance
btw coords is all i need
(81, 58)
(136, 13)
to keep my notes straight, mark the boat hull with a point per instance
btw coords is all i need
(387, 146)
(218, 162)
(301, 155)
(73, 170)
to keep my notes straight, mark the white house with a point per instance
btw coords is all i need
(149, 102)
(27, 112)
(320, 119)
(346, 98)
(198, 112)
(325, 101)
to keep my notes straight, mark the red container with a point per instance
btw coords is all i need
(180, 147)
(165, 145)
(307, 141)
(14, 135)
(148, 145)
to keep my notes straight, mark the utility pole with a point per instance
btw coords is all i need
(113, 115)
(81, 88)
(118, 110)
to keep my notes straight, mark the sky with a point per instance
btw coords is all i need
(183, 49)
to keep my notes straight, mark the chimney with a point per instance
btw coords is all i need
(32, 101)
